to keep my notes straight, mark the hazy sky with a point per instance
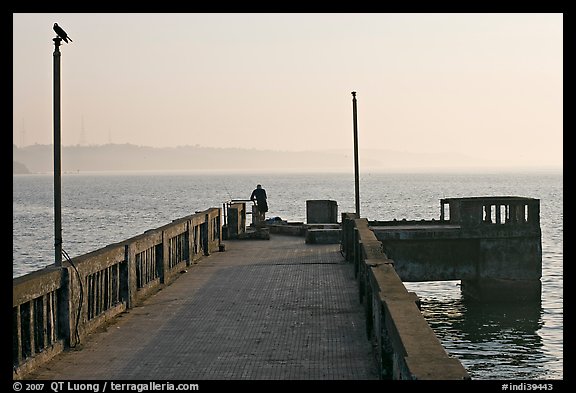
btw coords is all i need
(488, 85)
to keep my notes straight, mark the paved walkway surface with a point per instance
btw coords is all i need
(261, 310)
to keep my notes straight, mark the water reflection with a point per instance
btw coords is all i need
(496, 339)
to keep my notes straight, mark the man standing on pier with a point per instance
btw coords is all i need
(259, 195)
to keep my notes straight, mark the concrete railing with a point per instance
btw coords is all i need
(494, 210)
(56, 307)
(406, 346)
(235, 219)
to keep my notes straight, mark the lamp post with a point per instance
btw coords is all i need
(57, 163)
(356, 176)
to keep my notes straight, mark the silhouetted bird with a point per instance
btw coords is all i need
(61, 33)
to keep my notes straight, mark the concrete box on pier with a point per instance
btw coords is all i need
(321, 212)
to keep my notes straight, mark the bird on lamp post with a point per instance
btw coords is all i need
(61, 33)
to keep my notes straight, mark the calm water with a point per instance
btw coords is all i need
(492, 341)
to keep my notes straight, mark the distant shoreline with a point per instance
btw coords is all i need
(132, 158)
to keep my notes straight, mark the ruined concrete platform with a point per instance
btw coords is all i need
(261, 310)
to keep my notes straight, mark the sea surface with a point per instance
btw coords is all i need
(495, 341)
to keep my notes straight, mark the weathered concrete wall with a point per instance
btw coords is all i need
(56, 307)
(40, 325)
(94, 294)
(321, 211)
(323, 236)
(454, 254)
(406, 347)
(492, 244)
(146, 273)
(432, 260)
(292, 228)
(347, 240)
(236, 220)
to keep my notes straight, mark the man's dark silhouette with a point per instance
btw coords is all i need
(259, 195)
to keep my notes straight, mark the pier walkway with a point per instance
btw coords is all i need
(260, 310)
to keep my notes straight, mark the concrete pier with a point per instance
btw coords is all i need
(271, 310)
(177, 303)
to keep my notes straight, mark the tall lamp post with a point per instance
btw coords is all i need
(57, 163)
(356, 176)
(60, 35)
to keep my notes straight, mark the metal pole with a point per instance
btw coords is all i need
(57, 164)
(356, 176)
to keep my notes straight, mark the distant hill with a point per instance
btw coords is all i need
(128, 157)
(19, 169)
